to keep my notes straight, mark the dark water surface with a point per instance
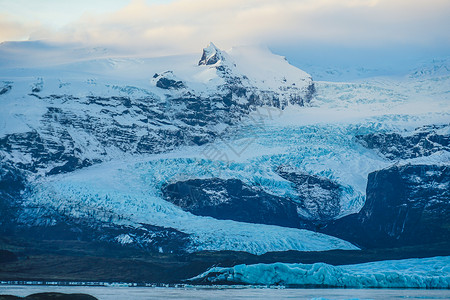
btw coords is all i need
(228, 293)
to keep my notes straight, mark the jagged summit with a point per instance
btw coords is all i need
(211, 55)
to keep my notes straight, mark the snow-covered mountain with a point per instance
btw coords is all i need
(89, 111)
(220, 150)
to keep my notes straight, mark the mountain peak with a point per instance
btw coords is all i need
(211, 55)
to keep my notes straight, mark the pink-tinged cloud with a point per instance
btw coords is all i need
(11, 29)
(187, 25)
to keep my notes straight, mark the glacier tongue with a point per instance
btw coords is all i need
(409, 273)
(129, 192)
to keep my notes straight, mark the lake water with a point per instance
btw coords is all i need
(228, 293)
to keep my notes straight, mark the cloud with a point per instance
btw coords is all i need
(13, 30)
(187, 25)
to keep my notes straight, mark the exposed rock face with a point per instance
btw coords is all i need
(165, 83)
(319, 197)
(5, 87)
(233, 200)
(74, 138)
(211, 55)
(168, 81)
(423, 142)
(12, 184)
(406, 205)
(54, 226)
(318, 200)
(52, 156)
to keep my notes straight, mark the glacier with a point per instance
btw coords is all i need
(132, 124)
(433, 272)
(129, 194)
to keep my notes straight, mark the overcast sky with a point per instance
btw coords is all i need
(305, 27)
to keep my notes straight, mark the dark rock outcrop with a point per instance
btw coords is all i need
(211, 55)
(50, 296)
(423, 142)
(405, 205)
(43, 153)
(167, 81)
(12, 184)
(40, 224)
(232, 199)
(319, 198)
(317, 202)
(6, 87)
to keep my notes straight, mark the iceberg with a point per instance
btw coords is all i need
(431, 272)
